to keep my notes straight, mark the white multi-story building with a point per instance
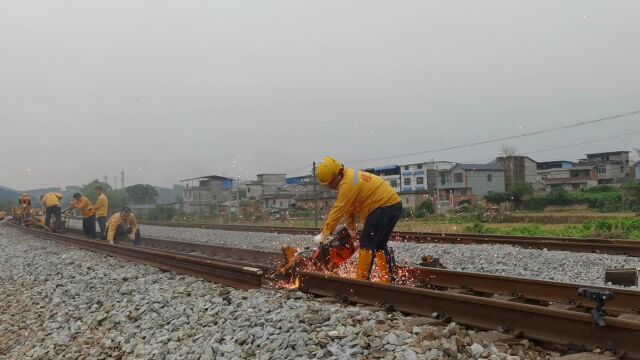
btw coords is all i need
(423, 176)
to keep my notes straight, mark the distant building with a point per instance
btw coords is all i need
(390, 173)
(422, 177)
(324, 202)
(264, 185)
(411, 178)
(557, 164)
(303, 180)
(285, 197)
(201, 193)
(611, 167)
(468, 183)
(519, 169)
(571, 179)
(636, 169)
(413, 200)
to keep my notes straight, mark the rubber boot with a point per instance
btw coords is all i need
(365, 261)
(391, 261)
(383, 267)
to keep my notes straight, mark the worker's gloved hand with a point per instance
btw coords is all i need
(132, 236)
(321, 239)
(352, 233)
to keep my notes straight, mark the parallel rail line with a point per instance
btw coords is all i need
(546, 311)
(587, 245)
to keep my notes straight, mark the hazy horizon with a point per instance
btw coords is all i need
(174, 90)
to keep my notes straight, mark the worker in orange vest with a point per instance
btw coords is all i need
(375, 202)
(85, 207)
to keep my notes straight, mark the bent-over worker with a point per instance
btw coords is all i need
(123, 223)
(51, 203)
(88, 214)
(375, 202)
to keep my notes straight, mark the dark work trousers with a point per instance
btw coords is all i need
(377, 231)
(102, 224)
(89, 226)
(57, 213)
(122, 231)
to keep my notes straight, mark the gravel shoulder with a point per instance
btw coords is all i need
(61, 302)
(493, 259)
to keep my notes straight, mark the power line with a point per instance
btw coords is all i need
(582, 123)
(569, 145)
(531, 133)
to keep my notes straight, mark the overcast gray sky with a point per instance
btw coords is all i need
(168, 90)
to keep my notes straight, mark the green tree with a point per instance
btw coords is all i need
(142, 194)
(558, 196)
(631, 195)
(519, 191)
(497, 198)
(6, 205)
(89, 190)
(427, 207)
(117, 200)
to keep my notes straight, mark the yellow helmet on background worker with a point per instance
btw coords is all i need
(327, 170)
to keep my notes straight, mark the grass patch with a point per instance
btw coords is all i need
(624, 228)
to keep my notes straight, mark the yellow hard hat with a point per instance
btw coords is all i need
(327, 170)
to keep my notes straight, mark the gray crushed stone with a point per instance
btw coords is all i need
(57, 301)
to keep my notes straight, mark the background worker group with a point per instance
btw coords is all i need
(122, 223)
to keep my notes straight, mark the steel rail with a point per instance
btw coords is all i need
(242, 277)
(547, 325)
(264, 260)
(525, 289)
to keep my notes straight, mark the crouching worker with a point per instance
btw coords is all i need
(83, 204)
(123, 223)
(51, 203)
(375, 202)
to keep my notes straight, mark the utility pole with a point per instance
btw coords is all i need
(122, 179)
(115, 183)
(238, 196)
(315, 195)
(106, 180)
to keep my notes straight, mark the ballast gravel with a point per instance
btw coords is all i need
(57, 301)
(505, 260)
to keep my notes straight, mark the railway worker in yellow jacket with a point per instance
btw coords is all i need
(378, 207)
(51, 203)
(123, 223)
(25, 206)
(102, 209)
(88, 213)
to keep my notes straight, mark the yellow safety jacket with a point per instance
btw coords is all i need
(102, 206)
(115, 220)
(359, 193)
(84, 205)
(51, 199)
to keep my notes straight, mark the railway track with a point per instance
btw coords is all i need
(545, 311)
(587, 245)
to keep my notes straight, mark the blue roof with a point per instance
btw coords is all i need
(386, 167)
